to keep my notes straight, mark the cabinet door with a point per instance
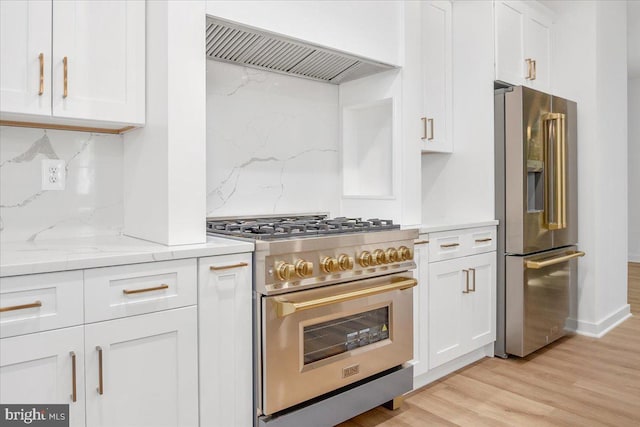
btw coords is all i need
(421, 309)
(149, 370)
(38, 369)
(446, 323)
(437, 76)
(25, 34)
(104, 46)
(538, 48)
(479, 305)
(225, 318)
(510, 19)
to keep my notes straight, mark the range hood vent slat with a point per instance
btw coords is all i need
(242, 45)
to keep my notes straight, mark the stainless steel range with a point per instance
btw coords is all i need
(333, 315)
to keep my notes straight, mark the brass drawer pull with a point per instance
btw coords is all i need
(421, 242)
(228, 267)
(569, 255)
(486, 239)
(473, 270)
(449, 245)
(74, 395)
(529, 75)
(424, 128)
(431, 128)
(41, 58)
(21, 307)
(466, 281)
(137, 291)
(100, 383)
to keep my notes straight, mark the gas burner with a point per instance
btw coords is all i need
(295, 226)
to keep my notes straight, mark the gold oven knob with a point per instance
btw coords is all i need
(304, 268)
(392, 255)
(405, 253)
(379, 257)
(365, 259)
(284, 271)
(329, 264)
(345, 262)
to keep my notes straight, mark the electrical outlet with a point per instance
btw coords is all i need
(53, 174)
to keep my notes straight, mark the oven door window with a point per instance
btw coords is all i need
(328, 339)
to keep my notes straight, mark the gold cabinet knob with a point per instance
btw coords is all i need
(379, 257)
(405, 253)
(345, 262)
(284, 271)
(392, 255)
(365, 259)
(304, 268)
(329, 264)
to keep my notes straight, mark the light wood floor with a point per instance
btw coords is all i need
(577, 381)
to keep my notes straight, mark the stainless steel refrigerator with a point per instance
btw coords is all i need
(536, 204)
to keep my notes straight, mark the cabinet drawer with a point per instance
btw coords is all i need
(40, 302)
(114, 292)
(457, 243)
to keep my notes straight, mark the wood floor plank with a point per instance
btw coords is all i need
(576, 381)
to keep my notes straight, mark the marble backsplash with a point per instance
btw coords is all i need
(91, 203)
(272, 143)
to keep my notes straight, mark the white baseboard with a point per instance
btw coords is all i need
(452, 366)
(634, 257)
(601, 328)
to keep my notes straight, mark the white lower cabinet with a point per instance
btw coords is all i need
(420, 312)
(461, 305)
(143, 370)
(226, 354)
(42, 368)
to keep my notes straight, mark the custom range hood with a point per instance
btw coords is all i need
(243, 45)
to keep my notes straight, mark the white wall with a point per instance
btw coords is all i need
(589, 67)
(459, 187)
(634, 169)
(272, 143)
(91, 203)
(367, 28)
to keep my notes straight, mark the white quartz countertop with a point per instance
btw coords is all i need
(445, 226)
(44, 256)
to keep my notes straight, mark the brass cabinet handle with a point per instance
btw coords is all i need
(528, 61)
(421, 242)
(569, 255)
(466, 281)
(424, 128)
(74, 395)
(41, 58)
(21, 307)
(534, 73)
(431, 128)
(100, 383)
(473, 270)
(285, 308)
(486, 239)
(65, 78)
(555, 122)
(449, 245)
(228, 267)
(137, 291)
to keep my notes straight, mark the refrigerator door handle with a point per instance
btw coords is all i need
(569, 255)
(555, 131)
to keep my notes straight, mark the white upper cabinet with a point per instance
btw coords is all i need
(523, 50)
(25, 57)
(93, 65)
(436, 46)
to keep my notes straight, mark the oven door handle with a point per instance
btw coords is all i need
(285, 307)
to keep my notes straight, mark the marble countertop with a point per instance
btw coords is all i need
(17, 258)
(444, 226)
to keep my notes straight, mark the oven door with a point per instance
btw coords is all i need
(319, 340)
